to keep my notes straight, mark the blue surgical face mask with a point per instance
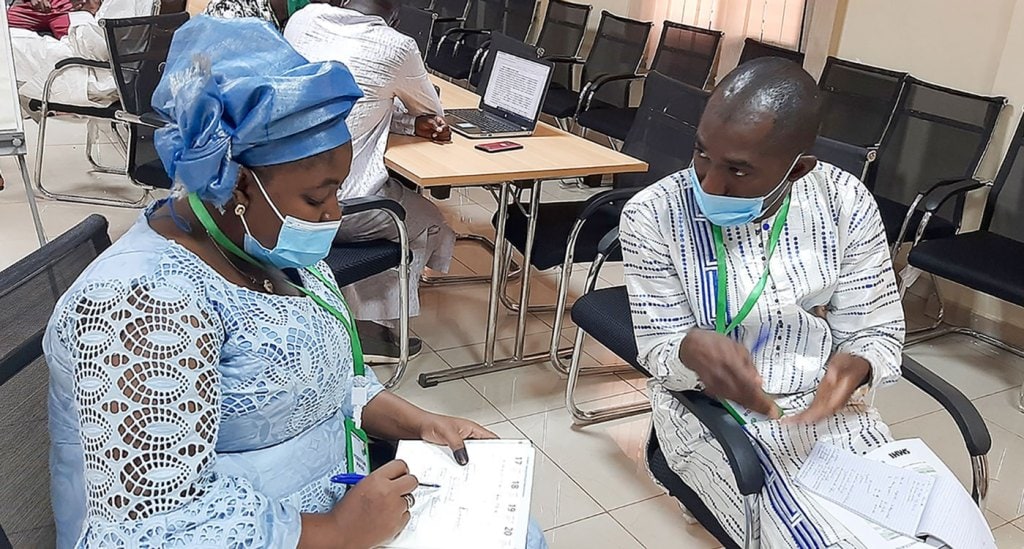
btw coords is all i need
(299, 244)
(730, 211)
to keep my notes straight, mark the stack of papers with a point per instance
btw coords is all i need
(483, 505)
(895, 496)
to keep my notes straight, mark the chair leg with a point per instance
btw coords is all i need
(588, 417)
(979, 473)
(939, 316)
(484, 243)
(404, 289)
(90, 154)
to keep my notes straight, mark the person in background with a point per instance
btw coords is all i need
(275, 12)
(728, 264)
(206, 380)
(74, 32)
(398, 98)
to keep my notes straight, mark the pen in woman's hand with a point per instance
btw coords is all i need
(351, 479)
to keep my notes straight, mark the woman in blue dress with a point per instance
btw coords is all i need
(205, 379)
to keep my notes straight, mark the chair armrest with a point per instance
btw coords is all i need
(150, 119)
(462, 32)
(600, 200)
(81, 62)
(609, 242)
(590, 88)
(567, 59)
(739, 450)
(942, 191)
(972, 426)
(370, 203)
(450, 20)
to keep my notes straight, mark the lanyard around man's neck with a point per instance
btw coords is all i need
(722, 325)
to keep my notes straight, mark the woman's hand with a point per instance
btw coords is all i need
(452, 432)
(375, 510)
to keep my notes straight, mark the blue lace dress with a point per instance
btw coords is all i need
(186, 411)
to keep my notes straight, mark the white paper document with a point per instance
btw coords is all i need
(907, 495)
(483, 505)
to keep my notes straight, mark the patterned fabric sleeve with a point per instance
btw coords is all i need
(657, 299)
(147, 392)
(865, 314)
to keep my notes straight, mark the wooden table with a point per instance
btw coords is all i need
(549, 153)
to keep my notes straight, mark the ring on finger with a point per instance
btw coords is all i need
(410, 500)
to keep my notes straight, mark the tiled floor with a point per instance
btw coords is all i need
(591, 486)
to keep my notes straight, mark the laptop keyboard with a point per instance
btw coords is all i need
(486, 123)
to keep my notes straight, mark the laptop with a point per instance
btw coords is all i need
(511, 102)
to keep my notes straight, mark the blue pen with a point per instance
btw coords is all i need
(351, 479)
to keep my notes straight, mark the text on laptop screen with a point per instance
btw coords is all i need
(516, 85)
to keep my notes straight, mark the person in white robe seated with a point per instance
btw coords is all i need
(762, 276)
(398, 98)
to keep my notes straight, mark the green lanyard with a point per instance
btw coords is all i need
(722, 305)
(358, 366)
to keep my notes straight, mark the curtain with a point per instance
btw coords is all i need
(774, 21)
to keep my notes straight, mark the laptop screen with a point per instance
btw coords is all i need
(516, 86)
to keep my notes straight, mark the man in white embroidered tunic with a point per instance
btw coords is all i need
(762, 276)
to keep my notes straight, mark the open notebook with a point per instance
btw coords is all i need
(484, 505)
(897, 496)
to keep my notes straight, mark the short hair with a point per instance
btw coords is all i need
(776, 88)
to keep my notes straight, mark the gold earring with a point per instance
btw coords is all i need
(240, 210)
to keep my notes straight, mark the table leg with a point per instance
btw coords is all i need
(519, 359)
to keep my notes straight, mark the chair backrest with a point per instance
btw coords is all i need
(507, 44)
(138, 65)
(418, 4)
(618, 48)
(665, 129)
(936, 133)
(857, 101)
(687, 53)
(1006, 199)
(565, 25)
(852, 158)
(752, 49)
(510, 17)
(417, 24)
(29, 290)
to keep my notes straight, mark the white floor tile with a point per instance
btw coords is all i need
(903, 401)
(977, 369)
(455, 398)
(456, 316)
(597, 532)
(1001, 409)
(659, 524)
(557, 499)
(1009, 537)
(606, 459)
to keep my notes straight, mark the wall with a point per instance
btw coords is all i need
(974, 46)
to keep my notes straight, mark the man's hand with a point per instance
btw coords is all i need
(845, 374)
(91, 6)
(434, 128)
(42, 6)
(726, 369)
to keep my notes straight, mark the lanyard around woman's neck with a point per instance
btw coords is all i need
(722, 304)
(358, 365)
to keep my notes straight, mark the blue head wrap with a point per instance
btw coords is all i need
(236, 93)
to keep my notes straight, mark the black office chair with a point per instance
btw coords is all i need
(46, 109)
(855, 160)
(565, 25)
(604, 314)
(451, 14)
(989, 260)
(618, 49)
(417, 24)
(29, 290)
(460, 48)
(416, 4)
(663, 136)
(858, 101)
(137, 65)
(752, 49)
(684, 53)
(936, 134)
